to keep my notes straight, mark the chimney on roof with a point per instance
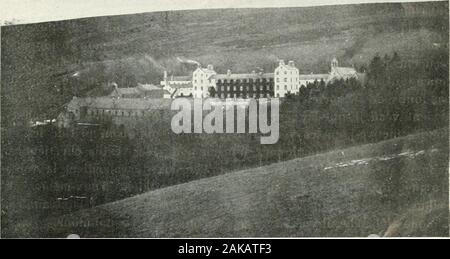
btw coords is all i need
(291, 63)
(210, 67)
(253, 72)
(165, 75)
(281, 62)
(228, 72)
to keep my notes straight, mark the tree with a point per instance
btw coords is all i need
(212, 91)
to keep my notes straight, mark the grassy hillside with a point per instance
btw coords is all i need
(395, 188)
(44, 64)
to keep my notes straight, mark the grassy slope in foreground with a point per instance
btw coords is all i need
(396, 187)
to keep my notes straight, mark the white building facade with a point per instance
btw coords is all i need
(286, 78)
(202, 80)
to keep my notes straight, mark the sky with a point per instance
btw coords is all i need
(30, 11)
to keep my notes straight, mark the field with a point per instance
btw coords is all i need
(392, 188)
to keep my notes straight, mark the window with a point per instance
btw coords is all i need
(278, 87)
(285, 79)
(278, 80)
(285, 87)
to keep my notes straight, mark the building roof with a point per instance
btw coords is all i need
(344, 72)
(122, 103)
(288, 67)
(182, 85)
(243, 76)
(313, 77)
(148, 87)
(134, 91)
(180, 78)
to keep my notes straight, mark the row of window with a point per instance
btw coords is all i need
(285, 72)
(245, 80)
(239, 95)
(290, 88)
(122, 113)
(241, 88)
(201, 81)
(201, 88)
(250, 95)
(204, 75)
(286, 79)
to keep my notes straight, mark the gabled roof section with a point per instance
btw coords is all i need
(122, 103)
(243, 76)
(313, 77)
(180, 78)
(182, 85)
(345, 72)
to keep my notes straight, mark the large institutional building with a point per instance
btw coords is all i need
(123, 105)
(286, 79)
